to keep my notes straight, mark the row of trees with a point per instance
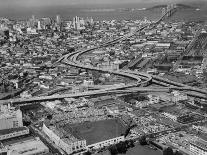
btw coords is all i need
(169, 151)
(121, 148)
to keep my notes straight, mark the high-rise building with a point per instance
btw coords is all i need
(10, 117)
(78, 23)
(58, 19)
(91, 20)
(39, 25)
(33, 17)
(32, 22)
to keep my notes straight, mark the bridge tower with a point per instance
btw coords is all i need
(169, 10)
(164, 11)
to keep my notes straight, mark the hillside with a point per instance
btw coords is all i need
(180, 6)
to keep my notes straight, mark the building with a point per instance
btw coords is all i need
(32, 22)
(58, 19)
(113, 131)
(153, 99)
(106, 142)
(10, 117)
(200, 128)
(11, 133)
(78, 23)
(170, 116)
(177, 96)
(69, 144)
(198, 147)
(32, 146)
(109, 66)
(39, 25)
(88, 82)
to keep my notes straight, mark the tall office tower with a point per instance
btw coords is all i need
(32, 21)
(39, 25)
(78, 23)
(58, 19)
(82, 22)
(33, 17)
(10, 117)
(91, 20)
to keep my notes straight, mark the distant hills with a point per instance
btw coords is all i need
(180, 6)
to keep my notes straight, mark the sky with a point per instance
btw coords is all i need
(22, 9)
(40, 3)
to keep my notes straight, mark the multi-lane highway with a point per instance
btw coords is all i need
(81, 94)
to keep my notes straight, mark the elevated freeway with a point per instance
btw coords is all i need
(82, 94)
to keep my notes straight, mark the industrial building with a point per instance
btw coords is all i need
(10, 117)
(14, 132)
(66, 142)
(32, 146)
(198, 147)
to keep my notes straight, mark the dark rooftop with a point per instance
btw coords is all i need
(94, 132)
(8, 131)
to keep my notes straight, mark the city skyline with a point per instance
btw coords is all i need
(40, 3)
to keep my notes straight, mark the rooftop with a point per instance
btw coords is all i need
(94, 132)
(32, 146)
(200, 144)
(8, 131)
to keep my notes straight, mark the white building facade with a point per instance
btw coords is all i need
(10, 117)
(67, 147)
(106, 142)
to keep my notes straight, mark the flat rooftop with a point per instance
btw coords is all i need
(8, 131)
(94, 132)
(32, 146)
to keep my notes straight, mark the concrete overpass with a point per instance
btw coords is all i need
(82, 94)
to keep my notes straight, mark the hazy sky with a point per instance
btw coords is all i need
(36, 3)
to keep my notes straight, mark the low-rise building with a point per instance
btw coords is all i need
(14, 132)
(28, 147)
(69, 144)
(198, 147)
(170, 116)
(10, 117)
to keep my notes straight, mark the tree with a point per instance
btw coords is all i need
(71, 49)
(87, 153)
(168, 151)
(49, 117)
(178, 153)
(121, 147)
(113, 150)
(143, 140)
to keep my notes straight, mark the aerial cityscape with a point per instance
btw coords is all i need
(108, 79)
